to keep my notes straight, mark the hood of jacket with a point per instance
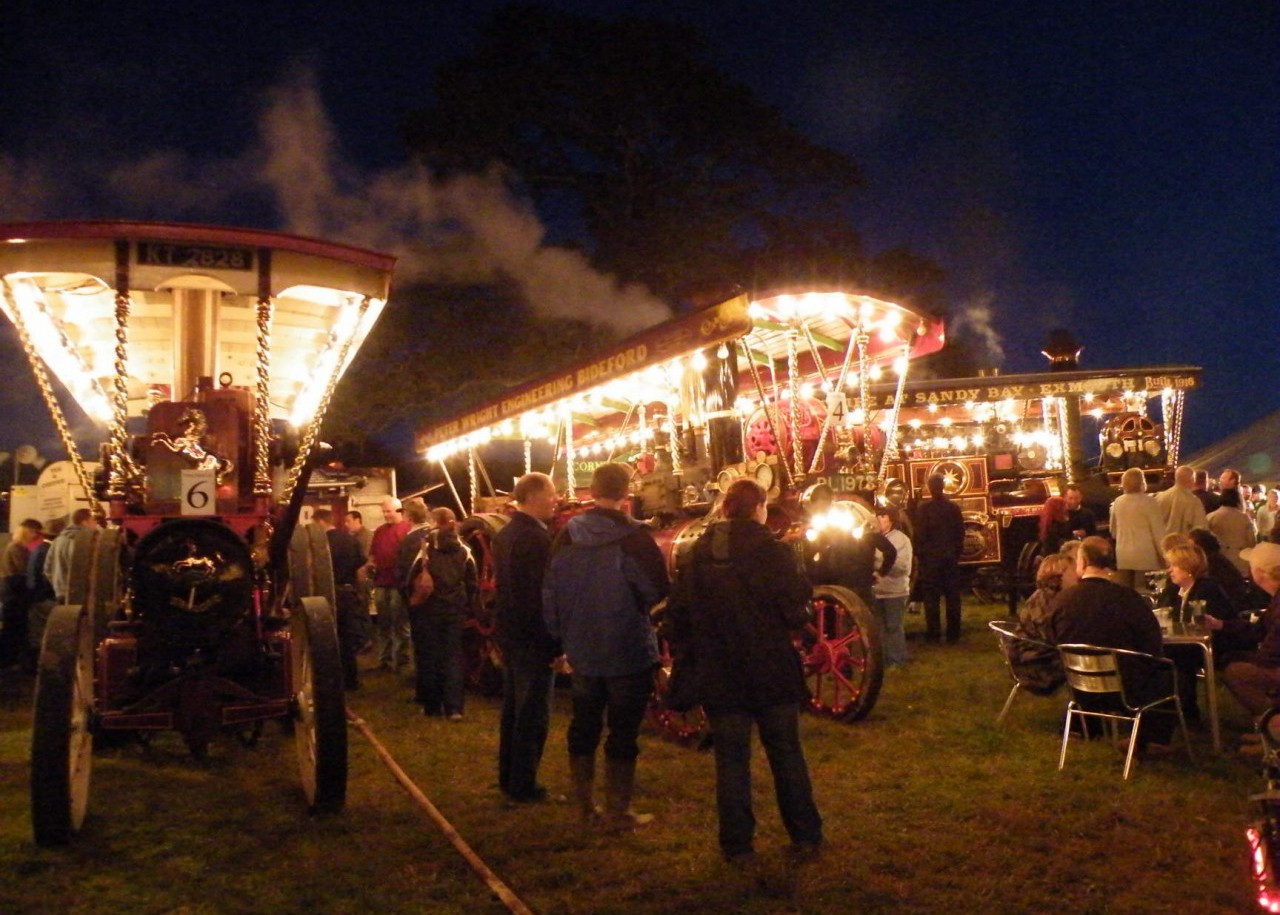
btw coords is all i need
(736, 537)
(445, 541)
(599, 526)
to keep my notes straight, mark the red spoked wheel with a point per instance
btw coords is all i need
(690, 728)
(841, 652)
(483, 658)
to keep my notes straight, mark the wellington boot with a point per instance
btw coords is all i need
(620, 779)
(583, 771)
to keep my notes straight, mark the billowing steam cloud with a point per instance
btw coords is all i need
(469, 229)
(973, 322)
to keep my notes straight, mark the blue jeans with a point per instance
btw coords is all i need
(391, 628)
(526, 716)
(437, 659)
(619, 700)
(892, 611)
(779, 727)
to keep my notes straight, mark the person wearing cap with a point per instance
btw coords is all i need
(1256, 677)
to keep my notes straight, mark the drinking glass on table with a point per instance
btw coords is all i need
(1195, 610)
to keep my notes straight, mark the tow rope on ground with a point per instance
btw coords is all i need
(500, 889)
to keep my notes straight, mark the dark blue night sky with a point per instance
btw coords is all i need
(1111, 168)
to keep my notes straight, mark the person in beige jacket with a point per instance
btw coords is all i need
(1181, 509)
(1137, 527)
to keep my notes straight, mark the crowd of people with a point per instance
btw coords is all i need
(1217, 552)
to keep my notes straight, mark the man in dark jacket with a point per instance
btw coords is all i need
(606, 574)
(733, 608)
(1097, 611)
(939, 541)
(520, 553)
(347, 559)
(437, 623)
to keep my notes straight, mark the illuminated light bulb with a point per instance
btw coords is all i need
(699, 360)
(932, 408)
(786, 306)
(918, 443)
(958, 443)
(900, 365)
(857, 530)
(888, 334)
(940, 443)
(858, 416)
(1096, 413)
(786, 393)
(722, 352)
(970, 405)
(811, 535)
(914, 423)
(806, 390)
(876, 373)
(755, 311)
(1088, 397)
(979, 439)
(946, 422)
(866, 311)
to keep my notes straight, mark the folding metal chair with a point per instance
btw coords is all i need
(1119, 683)
(1009, 641)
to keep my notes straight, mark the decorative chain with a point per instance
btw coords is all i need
(528, 455)
(864, 391)
(474, 475)
(122, 474)
(313, 427)
(262, 402)
(50, 400)
(571, 478)
(793, 385)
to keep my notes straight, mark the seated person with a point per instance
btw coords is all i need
(1189, 581)
(1245, 595)
(1039, 668)
(1254, 678)
(1097, 611)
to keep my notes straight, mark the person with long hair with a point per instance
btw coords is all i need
(1055, 525)
(733, 607)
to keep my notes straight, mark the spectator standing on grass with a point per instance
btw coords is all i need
(1137, 527)
(408, 555)
(520, 554)
(347, 559)
(437, 623)
(939, 541)
(1267, 511)
(733, 608)
(353, 523)
(1233, 528)
(76, 536)
(15, 593)
(391, 627)
(892, 589)
(1098, 611)
(606, 574)
(1181, 509)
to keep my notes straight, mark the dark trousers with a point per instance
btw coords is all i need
(619, 701)
(938, 585)
(779, 727)
(437, 660)
(350, 634)
(526, 715)
(13, 627)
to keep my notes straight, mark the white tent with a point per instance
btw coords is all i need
(1254, 451)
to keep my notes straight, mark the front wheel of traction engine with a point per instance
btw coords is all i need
(319, 709)
(62, 727)
(840, 649)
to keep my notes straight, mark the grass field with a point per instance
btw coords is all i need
(928, 808)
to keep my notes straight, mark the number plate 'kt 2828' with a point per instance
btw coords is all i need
(207, 257)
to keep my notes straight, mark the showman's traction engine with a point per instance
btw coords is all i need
(199, 605)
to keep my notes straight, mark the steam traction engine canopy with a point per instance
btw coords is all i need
(211, 333)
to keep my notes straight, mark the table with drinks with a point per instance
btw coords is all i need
(1185, 626)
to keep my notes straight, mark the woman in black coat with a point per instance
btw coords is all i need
(1189, 581)
(733, 607)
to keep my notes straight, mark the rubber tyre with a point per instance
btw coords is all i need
(61, 731)
(841, 652)
(319, 710)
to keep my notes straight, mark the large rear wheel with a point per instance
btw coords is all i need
(62, 727)
(841, 652)
(320, 725)
(690, 728)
